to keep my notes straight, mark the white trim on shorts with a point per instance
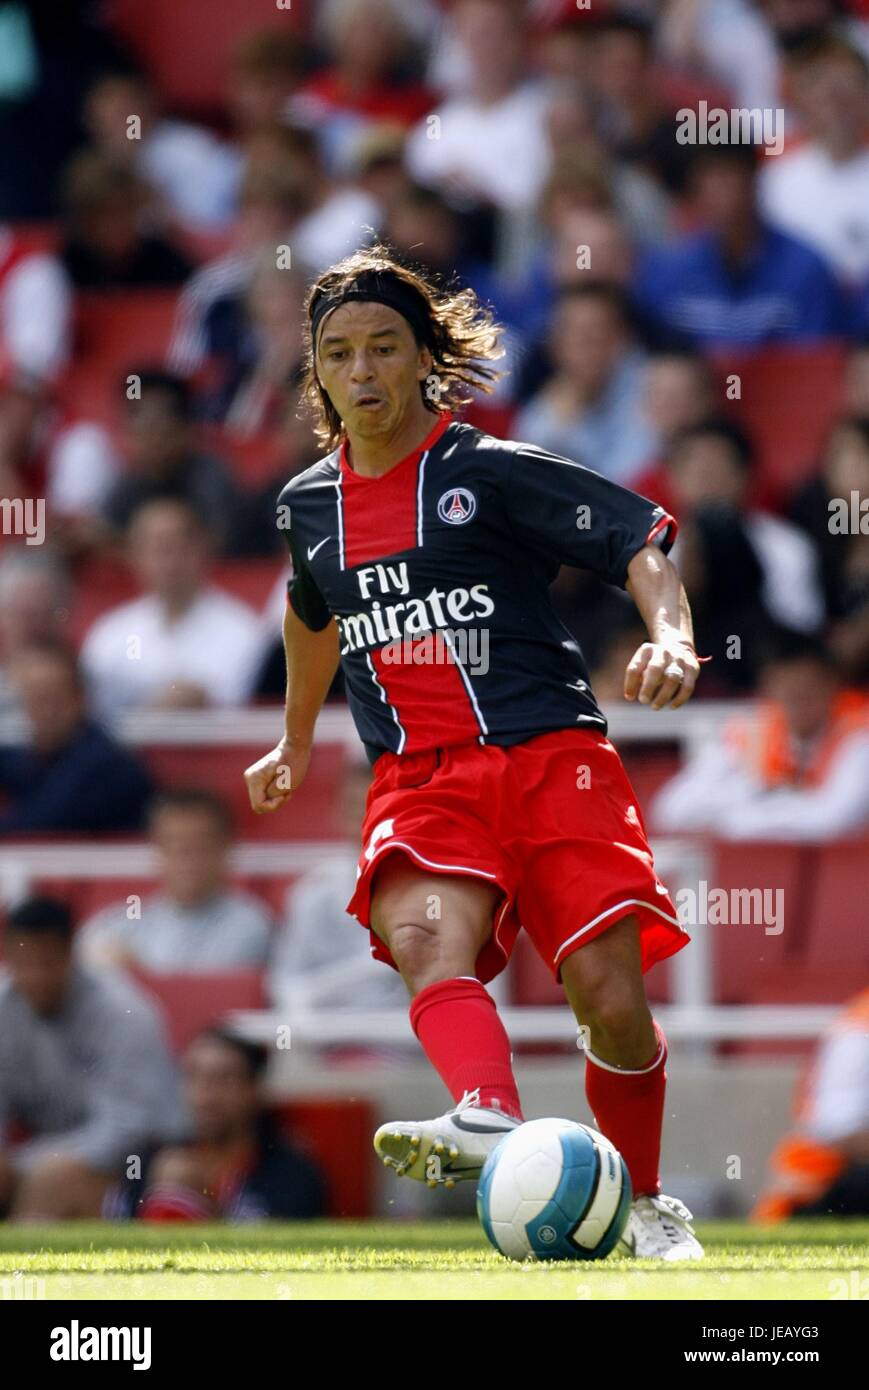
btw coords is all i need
(628, 902)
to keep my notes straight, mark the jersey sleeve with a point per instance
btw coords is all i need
(580, 518)
(303, 595)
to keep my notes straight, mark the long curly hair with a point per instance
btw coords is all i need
(465, 339)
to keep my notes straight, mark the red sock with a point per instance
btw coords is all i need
(628, 1107)
(458, 1026)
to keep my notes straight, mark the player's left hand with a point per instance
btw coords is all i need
(662, 673)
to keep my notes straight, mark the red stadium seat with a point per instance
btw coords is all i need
(102, 582)
(113, 333)
(249, 580)
(742, 951)
(790, 399)
(337, 1133)
(187, 50)
(220, 769)
(532, 984)
(648, 770)
(838, 938)
(38, 237)
(194, 1002)
(254, 462)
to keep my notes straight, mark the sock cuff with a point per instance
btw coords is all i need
(462, 987)
(658, 1060)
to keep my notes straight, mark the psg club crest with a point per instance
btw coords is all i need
(457, 506)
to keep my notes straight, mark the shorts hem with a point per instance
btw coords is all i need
(575, 942)
(493, 944)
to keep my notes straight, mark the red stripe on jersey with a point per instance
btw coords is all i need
(668, 523)
(380, 516)
(430, 698)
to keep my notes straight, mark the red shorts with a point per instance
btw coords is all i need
(554, 822)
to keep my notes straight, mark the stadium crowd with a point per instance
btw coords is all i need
(690, 318)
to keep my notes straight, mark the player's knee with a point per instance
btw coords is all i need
(415, 948)
(610, 1008)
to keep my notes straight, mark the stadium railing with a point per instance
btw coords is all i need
(693, 1012)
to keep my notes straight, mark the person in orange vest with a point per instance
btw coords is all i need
(822, 1166)
(793, 766)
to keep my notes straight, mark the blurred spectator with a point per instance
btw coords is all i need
(106, 246)
(490, 143)
(196, 921)
(819, 191)
(234, 1164)
(322, 958)
(737, 282)
(679, 395)
(265, 70)
(634, 123)
(821, 1168)
(370, 75)
(255, 343)
(340, 215)
(195, 173)
(289, 447)
(35, 310)
(51, 54)
(844, 479)
(84, 1071)
(162, 458)
(591, 409)
(425, 229)
(25, 430)
(742, 568)
(584, 176)
(726, 40)
(272, 201)
(34, 606)
(794, 768)
(185, 643)
(378, 163)
(608, 676)
(590, 245)
(288, 212)
(856, 383)
(792, 21)
(69, 775)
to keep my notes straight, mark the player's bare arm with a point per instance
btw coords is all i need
(312, 660)
(664, 670)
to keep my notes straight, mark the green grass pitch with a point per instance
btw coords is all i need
(811, 1259)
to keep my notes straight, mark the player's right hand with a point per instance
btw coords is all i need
(272, 780)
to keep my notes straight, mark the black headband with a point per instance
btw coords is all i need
(384, 287)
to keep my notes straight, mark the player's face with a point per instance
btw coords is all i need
(370, 366)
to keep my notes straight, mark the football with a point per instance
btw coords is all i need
(554, 1190)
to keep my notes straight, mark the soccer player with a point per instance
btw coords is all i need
(422, 551)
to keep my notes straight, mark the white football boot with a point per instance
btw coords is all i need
(450, 1149)
(658, 1228)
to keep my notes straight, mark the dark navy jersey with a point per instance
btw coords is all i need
(438, 574)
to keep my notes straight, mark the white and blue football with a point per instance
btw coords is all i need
(554, 1190)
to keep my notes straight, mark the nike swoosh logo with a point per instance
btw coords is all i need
(480, 1129)
(312, 549)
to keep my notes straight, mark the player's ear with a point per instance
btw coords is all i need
(425, 363)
